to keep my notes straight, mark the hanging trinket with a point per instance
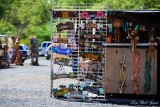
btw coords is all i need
(133, 34)
(151, 43)
(147, 85)
(117, 32)
(122, 72)
(136, 80)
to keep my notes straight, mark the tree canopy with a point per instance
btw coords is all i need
(31, 18)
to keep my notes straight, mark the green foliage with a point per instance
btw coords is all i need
(26, 40)
(7, 28)
(30, 18)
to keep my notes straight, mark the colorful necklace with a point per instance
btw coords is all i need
(122, 72)
(136, 71)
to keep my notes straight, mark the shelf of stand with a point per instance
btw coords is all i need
(126, 44)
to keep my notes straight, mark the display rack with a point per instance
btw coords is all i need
(87, 61)
(105, 54)
(132, 61)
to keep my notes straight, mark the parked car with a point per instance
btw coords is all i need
(42, 49)
(24, 50)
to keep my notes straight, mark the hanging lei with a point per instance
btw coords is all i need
(136, 71)
(122, 72)
(147, 85)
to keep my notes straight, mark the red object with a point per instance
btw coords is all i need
(84, 15)
(100, 14)
(47, 52)
(136, 79)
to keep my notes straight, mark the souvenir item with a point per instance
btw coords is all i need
(91, 25)
(62, 50)
(136, 79)
(91, 36)
(117, 25)
(34, 51)
(122, 72)
(134, 35)
(18, 60)
(147, 72)
(65, 14)
(151, 43)
(72, 39)
(109, 39)
(65, 26)
(84, 15)
(100, 14)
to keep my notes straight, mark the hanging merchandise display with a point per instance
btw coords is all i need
(34, 51)
(134, 35)
(79, 49)
(91, 46)
(136, 71)
(64, 26)
(137, 51)
(147, 72)
(62, 58)
(150, 52)
(122, 72)
(91, 53)
(151, 42)
(117, 31)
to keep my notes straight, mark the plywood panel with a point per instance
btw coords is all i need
(113, 69)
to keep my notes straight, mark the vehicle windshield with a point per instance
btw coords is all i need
(20, 47)
(26, 47)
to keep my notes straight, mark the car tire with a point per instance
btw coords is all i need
(47, 57)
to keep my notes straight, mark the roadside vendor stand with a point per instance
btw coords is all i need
(133, 59)
(114, 54)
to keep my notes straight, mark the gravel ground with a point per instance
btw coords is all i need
(28, 86)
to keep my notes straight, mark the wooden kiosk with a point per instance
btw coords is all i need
(117, 50)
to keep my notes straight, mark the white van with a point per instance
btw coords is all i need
(44, 45)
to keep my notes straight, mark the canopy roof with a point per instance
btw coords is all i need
(144, 17)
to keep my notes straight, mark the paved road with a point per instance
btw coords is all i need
(28, 86)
